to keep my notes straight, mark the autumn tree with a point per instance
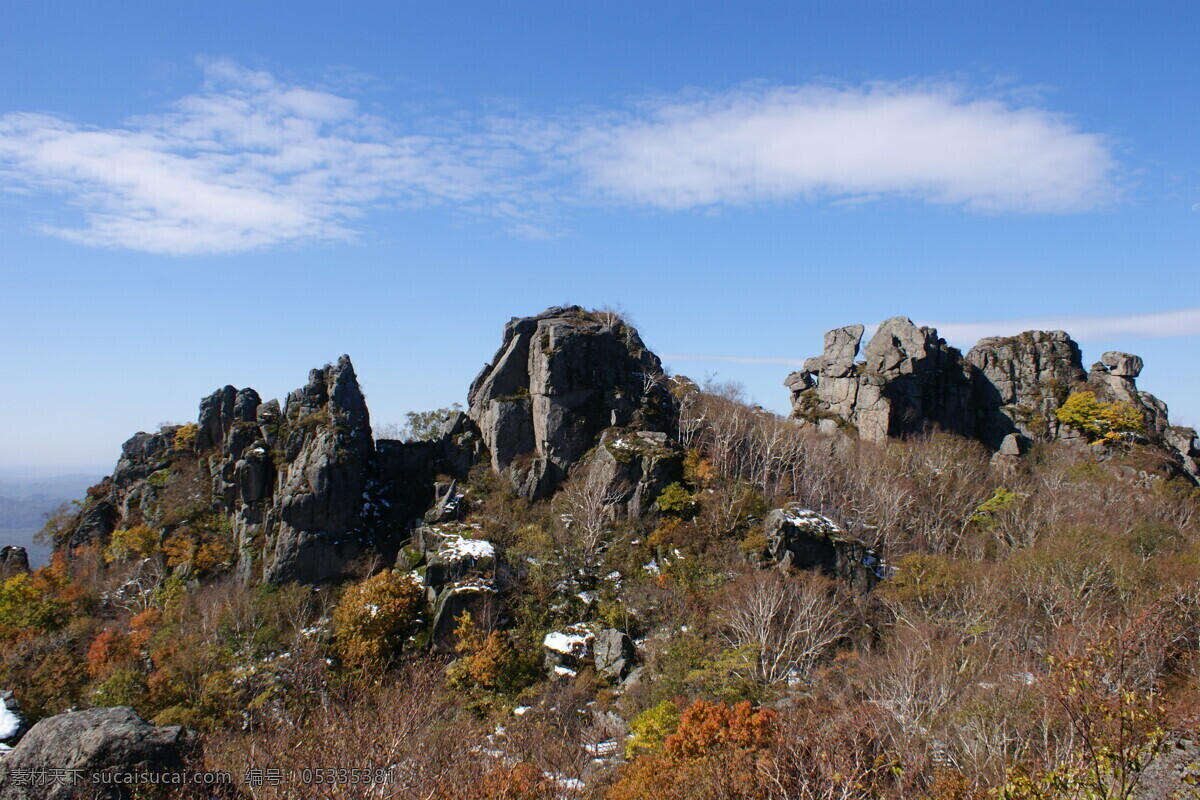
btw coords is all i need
(1100, 422)
(787, 622)
(1119, 726)
(491, 666)
(717, 751)
(372, 619)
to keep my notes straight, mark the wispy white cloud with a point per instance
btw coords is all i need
(1082, 327)
(251, 161)
(247, 163)
(930, 142)
(783, 362)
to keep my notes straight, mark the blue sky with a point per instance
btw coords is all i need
(200, 194)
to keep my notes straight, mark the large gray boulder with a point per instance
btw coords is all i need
(1125, 365)
(557, 381)
(799, 538)
(99, 741)
(614, 653)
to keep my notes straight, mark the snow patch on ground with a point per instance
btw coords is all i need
(9, 724)
(460, 547)
(810, 520)
(574, 641)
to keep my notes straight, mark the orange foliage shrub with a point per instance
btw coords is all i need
(519, 782)
(142, 626)
(108, 651)
(718, 751)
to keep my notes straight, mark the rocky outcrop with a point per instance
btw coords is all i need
(13, 561)
(321, 494)
(909, 378)
(628, 470)
(1019, 381)
(799, 538)
(129, 495)
(1183, 442)
(99, 741)
(309, 490)
(1113, 379)
(1004, 392)
(462, 574)
(302, 486)
(306, 492)
(292, 480)
(557, 381)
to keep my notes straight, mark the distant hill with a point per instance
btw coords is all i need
(25, 502)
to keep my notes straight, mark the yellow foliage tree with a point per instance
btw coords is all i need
(1120, 728)
(138, 541)
(1100, 422)
(185, 436)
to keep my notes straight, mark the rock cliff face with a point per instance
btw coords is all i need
(1019, 381)
(297, 480)
(301, 487)
(557, 381)
(1003, 393)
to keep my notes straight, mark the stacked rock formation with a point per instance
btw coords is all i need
(909, 378)
(1004, 392)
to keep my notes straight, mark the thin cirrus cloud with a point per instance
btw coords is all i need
(252, 162)
(248, 163)
(1082, 327)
